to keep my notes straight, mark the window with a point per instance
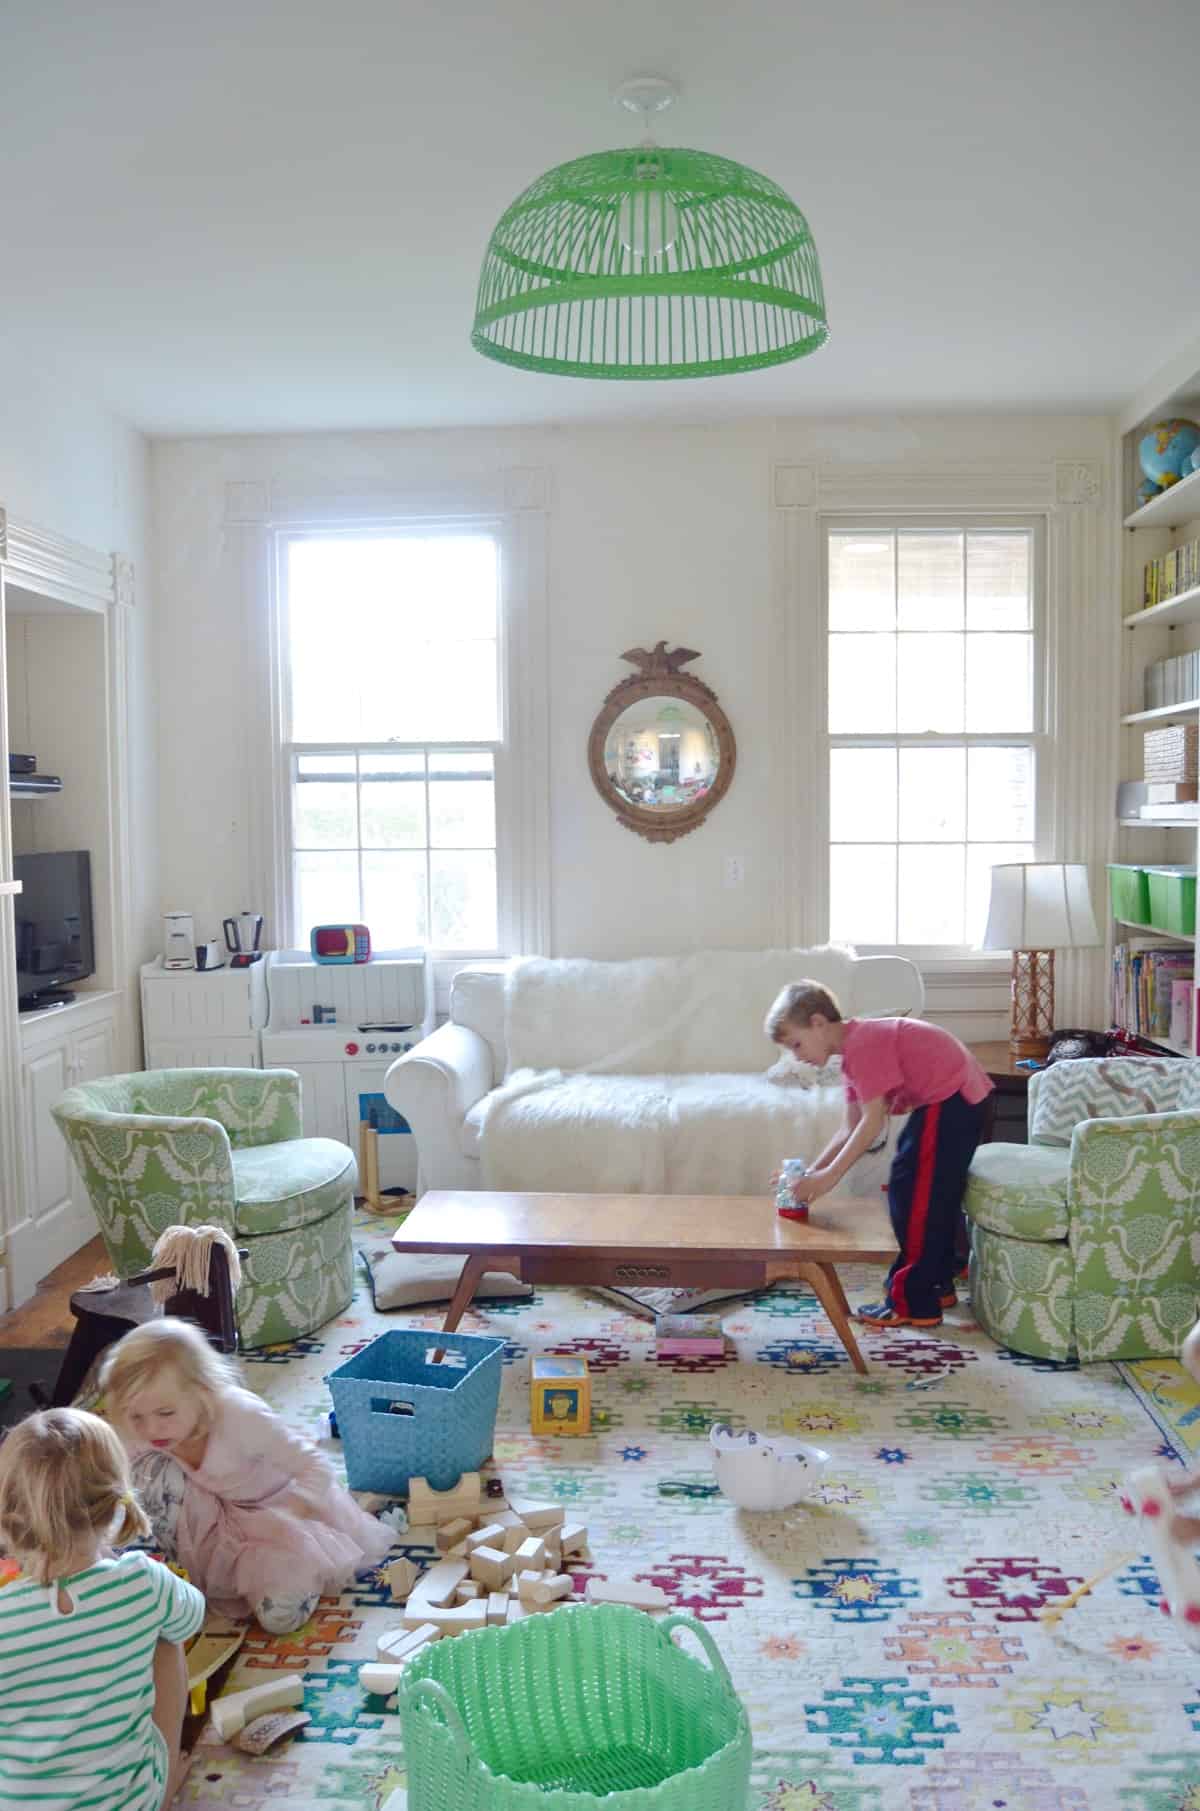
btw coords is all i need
(392, 727)
(934, 725)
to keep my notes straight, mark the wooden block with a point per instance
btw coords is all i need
(379, 1680)
(428, 1507)
(516, 1611)
(491, 1568)
(627, 1590)
(231, 1713)
(399, 1577)
(467, 1590)
(543, 1592)
(398, 1644)
(539, 1516)
(530, 1555)
(573, 1536)
(497, 1609)
(449, 1534)
(554, 1555)
(489, 1533)
(460, 1618)
(458, 1551)
(436, 1586)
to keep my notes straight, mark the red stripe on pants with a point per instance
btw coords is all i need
(918, 1207)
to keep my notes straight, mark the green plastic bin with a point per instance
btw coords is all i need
(586, 1708)
(1173, 900)
(1129, 892)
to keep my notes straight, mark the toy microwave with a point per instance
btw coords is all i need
(340, 943)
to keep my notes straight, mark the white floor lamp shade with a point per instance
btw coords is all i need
(1036, 908)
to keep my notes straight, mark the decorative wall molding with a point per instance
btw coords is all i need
(984, 486)
(3, 534)
(247, 504)
(123, 581)
(793, 486)
(260, 504)
(120, 659)
(526, 487)
(1077, 482)
(56, 567)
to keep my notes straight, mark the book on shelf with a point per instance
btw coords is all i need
(1152, 992)
(1171, 575)
(1180, 814)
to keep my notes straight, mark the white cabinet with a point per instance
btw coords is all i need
(59, 1050)
(202, 1018)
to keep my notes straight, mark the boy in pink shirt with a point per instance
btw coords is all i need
(895, 1066)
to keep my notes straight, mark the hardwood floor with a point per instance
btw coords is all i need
(46, 1319)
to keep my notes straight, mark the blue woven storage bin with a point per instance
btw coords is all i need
(401, 1416)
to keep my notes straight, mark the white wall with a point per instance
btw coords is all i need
(69, 466)
(652, 533)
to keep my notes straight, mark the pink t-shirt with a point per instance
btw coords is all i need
(910, 1063)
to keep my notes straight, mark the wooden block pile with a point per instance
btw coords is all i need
(501, 1561)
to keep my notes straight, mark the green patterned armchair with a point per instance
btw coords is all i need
(1086, 1241)
(221, 1147)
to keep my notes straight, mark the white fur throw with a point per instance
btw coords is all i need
(717, 1134)
(661, 1015)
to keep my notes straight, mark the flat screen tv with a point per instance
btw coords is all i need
(55, 942)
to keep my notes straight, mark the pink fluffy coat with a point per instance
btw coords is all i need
(263, 1515)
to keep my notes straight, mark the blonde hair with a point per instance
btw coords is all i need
(64, 1478)
(798, 1005)
(169, 1343)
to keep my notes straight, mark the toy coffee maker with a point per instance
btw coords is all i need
(243, 936)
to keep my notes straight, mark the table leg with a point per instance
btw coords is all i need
(826, 1286)
(464, 1289)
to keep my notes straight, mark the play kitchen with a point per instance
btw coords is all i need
(243, 936)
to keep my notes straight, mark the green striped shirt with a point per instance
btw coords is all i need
(76, 1690)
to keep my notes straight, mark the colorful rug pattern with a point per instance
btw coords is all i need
(885, 1637)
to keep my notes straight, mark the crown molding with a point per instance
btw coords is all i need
(53, 566)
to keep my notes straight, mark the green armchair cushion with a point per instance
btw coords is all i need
(1020, 1190)
(281, 1186)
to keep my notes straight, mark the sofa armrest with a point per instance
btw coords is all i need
(434, 1086)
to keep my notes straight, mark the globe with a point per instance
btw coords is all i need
(1166, 451)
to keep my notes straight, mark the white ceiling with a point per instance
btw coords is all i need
(253, 215)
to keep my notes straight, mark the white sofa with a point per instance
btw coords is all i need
(650, 1076)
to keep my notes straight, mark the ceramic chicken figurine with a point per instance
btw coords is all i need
(763, 1474)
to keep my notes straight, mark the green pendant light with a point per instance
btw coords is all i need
(650, 263)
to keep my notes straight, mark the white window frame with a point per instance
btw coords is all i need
(500, 749)
(1040, 737)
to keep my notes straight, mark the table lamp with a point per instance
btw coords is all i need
(1037, 907)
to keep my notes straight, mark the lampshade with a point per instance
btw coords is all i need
(650, 263)
(1042, 905)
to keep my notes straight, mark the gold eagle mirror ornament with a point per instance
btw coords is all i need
(661, 751)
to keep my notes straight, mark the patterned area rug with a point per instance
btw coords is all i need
(884, 1637)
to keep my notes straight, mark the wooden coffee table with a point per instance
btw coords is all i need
(657, 1241)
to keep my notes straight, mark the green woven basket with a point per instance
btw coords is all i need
(588, 1706)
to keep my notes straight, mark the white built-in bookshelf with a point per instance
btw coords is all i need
(1152, 632)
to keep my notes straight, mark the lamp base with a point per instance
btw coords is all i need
(1032, 1003)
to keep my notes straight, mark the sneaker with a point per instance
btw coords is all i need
(882, 1314)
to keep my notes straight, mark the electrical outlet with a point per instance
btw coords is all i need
(735, 871)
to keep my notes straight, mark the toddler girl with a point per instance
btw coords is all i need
(249, 1509)
(92, 1676)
